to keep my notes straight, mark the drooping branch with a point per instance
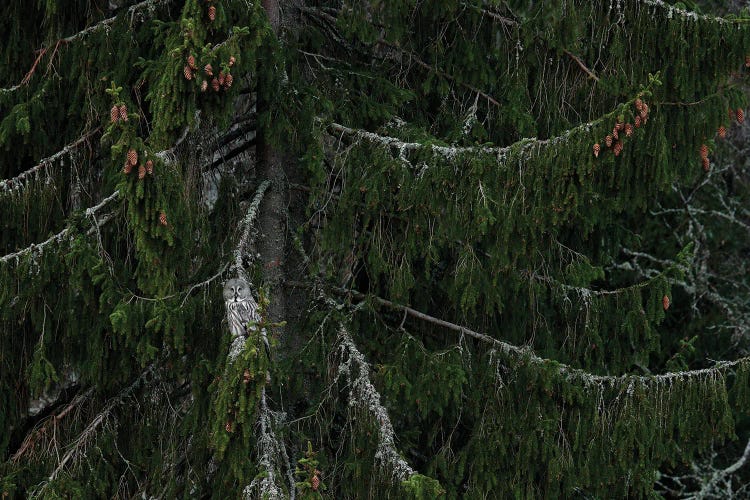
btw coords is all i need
(18, 181)
(38, 247)
(573, 374)
(248, 229)
(363, 395)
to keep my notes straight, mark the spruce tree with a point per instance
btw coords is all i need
(498, 249)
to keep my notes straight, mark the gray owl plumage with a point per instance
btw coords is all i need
(242, 310)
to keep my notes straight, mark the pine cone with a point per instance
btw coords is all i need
(706, 164)
(597, 149)
(212, 13)
(628, 129)
(204, 86)
(246, 377)
(215, 85)
(150, 167)
(228, 426)
(127, 168)
(704, 151)
(114, 114)
(208, 69)
(665, 302)
(617, 149)
(232, 60)
(191, 61)
(740, 116)
(638, 103)
(141, 172)
(188, 73)
(722, 131)
(615, 134)
(123, 113)
(162, 218)
(228, 81)
(637, 121)
(608, 141)
(315, 483)
(132, 156)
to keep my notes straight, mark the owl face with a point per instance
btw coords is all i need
(236, 290)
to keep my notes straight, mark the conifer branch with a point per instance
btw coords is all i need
(528, 354)
(362, 394)
(38, 247)
(581, 65)
(248, 224)
(18, 181)
(271, 451)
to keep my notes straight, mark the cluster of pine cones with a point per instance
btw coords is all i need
(222, 80)
(614, 140)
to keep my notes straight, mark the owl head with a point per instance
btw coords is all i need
(236, 290)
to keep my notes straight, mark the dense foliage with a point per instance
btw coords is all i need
(512, 251)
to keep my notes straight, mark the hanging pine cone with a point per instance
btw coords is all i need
(608, 141)
(628, 129)
(150, 167)
(638, 103)
(704, 151)
(228, 81)
(315, 483)
(706, 164)
(619, 126)
(127, 168)
(162, 218)
(123, 113)
(246, 377)
(617, 149)
(212, 13)
(740, 115)
(232, 60)
(597, 149)
(209, 70)
(132, 156)
(722, 131)
(637, 121)
(141, 172)
(228, 426)
(221, 78)
(665, 302)
(215, 85)
(204, 86)
(191, 61)
(114, 114)
(187, 72)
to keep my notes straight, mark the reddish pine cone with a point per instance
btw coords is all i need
(228, 81)
(215, 85)
(608, 141)
(638, 103)
(628, 129)
(615, 134)
(208, 69)
(188, 73)
(127, 168)
(114, 114)
(141, 172)
(597, 149)
(722, 131)
(740, 116)
(212, 13)
(204, 86)
(706, 164)
(191, 61)
(617, 148)
(315, 483)
(704, 151)
(132, 156)
(232, 60)
(150, 167)
(162, 218)
(221, 78)
(637, 121)
(665, 302)
(123, 113)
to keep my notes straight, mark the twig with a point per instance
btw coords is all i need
(581, 65)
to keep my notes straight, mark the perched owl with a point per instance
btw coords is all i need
(242, 310)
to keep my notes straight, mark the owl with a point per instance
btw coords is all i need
(242, 310)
